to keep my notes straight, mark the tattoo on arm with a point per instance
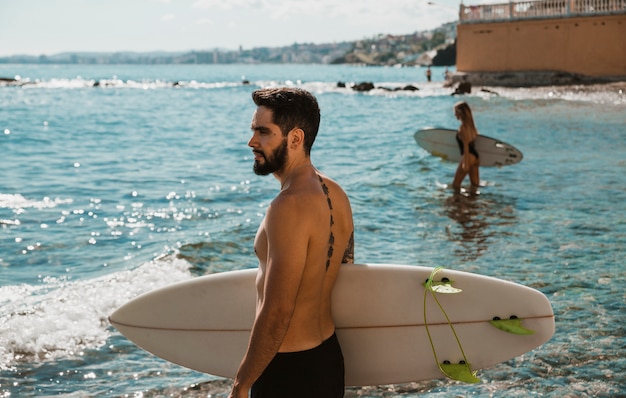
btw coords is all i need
(348, 255)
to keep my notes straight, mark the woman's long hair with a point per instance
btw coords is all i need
(467, 120)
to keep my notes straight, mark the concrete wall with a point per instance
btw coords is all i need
(592, 46)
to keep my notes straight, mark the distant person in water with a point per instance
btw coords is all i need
(429, 74)
(466, 138)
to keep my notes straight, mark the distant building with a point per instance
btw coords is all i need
(582, 37)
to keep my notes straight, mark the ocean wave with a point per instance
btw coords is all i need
(62, 318)
(383, 88)
(114, 82)
(611, 94)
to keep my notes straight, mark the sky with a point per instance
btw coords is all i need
(37, 27)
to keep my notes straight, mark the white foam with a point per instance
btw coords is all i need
(596, 94)
(114, 82)
(17, 201)
(64, 318)
(585, 93)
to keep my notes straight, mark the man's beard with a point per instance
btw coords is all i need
(277, 160)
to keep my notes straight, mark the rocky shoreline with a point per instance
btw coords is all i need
(530, 79)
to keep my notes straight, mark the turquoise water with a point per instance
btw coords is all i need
(109, 191)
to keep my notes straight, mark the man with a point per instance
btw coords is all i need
(306, 235)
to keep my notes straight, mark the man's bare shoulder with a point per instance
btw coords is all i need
(332, 184)
(286, 205)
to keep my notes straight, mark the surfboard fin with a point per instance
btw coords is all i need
(512, 325)
(442, 286)
(459, 371)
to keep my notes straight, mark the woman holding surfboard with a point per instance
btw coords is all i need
(466, 138)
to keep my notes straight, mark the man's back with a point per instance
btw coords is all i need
(310, 228)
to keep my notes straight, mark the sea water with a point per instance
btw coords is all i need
(115, 180)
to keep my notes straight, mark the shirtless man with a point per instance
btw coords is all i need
(306, 235)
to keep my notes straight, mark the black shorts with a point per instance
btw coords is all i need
(314, 373)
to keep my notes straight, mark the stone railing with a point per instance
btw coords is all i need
(517, 10)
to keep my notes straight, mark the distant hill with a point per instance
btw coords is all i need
(419, 48)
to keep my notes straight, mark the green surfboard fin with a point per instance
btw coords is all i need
(459, 372)
(511, 326)
(442, 286)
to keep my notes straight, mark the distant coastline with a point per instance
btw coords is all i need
(433, 47)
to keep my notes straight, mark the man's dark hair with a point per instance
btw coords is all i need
(292, 108)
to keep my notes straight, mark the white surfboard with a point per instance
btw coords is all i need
(204, 323)
(492, 152)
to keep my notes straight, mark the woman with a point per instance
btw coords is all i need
(466, 138)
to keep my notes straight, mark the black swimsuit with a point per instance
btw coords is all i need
(472, 148)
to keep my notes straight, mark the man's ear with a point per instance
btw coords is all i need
(296, 138)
